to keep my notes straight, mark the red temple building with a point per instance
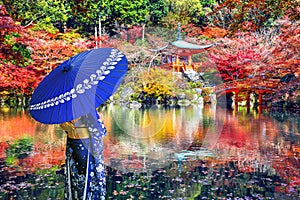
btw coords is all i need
(180, 59)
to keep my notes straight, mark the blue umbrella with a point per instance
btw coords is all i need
(78, 86)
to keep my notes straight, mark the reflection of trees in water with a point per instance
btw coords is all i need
(43, 184)
(35, 152)
(273, 144)
(18, 149)
(253, 151)
(201, 179)
(244, 167)
(144, 140)
(284, 115)
(15, 124)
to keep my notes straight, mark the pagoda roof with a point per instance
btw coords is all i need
(181, 44)
(186, 45)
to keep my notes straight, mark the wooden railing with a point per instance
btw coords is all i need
(247, 84)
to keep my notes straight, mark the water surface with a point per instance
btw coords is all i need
(194, 152)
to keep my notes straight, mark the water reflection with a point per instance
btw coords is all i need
(196, 152)
(144, 140)
(33, 175)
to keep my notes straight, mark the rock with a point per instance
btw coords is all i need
(134, 105)
(184, 102)
(181, 96)
(198, 90)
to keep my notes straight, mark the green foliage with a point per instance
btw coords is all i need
(195, 85)
(161, 79)
(125, 12)
(172, 19)
(156, 90)
(135, 97)
(45, 26)
(51, 171)
(84, 14)
(142, 43)
(18, 53)
(41, 11)
(184, 11)
(18, 149)
(114, 15)
(24, 51)
(10, 160)
(208, 3)
(155, 83)
(165, 34)
(9, 39)
(157, 10)
(212, 77)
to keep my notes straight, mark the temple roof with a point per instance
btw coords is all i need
(181, 44)
(186, 45)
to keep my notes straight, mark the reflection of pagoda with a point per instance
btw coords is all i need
(180, 59)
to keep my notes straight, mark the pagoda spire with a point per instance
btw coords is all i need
(178, 32)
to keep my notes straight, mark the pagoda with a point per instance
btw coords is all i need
(180, 59)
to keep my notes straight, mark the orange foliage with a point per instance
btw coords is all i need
(208, 31)
(214, 32)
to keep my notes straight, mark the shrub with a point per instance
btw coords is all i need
(48, 27)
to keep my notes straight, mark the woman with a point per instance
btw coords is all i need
(85, 175)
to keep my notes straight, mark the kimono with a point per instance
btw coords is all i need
(84, 171)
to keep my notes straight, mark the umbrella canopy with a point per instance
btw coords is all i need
(78, 86)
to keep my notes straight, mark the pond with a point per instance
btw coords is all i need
(192, 152)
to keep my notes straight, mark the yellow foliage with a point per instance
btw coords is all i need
(158, 82)
(4, 93)
(206, 91)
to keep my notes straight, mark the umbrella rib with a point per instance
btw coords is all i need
(90, 101)
(64, 88)
(66, 115)
(82, 105)
(119, 70)
(109, 82)
(51, 115)
(98, 96)
(110, 93)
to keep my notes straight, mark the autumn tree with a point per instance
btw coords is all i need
(11, 50)
(253, 14)
(286, 63)
(14, 77)
(234, 58)
(27, 56)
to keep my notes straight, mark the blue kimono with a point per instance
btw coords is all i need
(85, 174)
